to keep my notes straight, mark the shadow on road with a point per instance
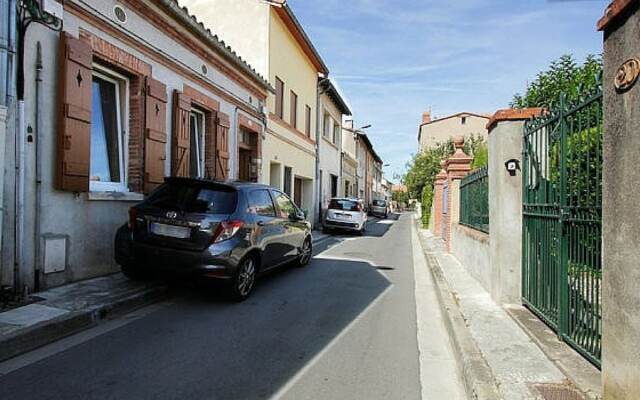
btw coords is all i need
(205, 347)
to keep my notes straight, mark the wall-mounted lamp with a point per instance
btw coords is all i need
(512, 166)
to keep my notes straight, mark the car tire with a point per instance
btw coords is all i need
(244, 281)
(134, 273)
(306, 253)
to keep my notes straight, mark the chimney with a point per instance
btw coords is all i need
(426, 117)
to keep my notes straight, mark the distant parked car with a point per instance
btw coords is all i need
(229, 232)
(345, 214)
(379, 208)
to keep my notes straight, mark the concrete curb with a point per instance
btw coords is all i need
(478, 378)
(30, 338)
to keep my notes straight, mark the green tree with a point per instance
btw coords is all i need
(424, 166)
(562, 76)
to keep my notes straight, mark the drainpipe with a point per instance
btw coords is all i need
(19, 197)
(38, 196)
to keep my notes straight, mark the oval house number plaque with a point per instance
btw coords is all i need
(627, 74)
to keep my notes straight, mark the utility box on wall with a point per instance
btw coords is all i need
(55, 253)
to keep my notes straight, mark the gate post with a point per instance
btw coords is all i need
(436, 229)
(457, 167)
(506, 129)
(620, 191)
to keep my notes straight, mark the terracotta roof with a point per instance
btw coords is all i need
(613, 11)
(513, 114)
(369, 145)
(191, 21)
(456, 115)
(332, 90)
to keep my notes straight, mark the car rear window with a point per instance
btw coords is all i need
(195, 198)
(344, 205)
(379, 203)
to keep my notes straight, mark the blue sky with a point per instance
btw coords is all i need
(393, 59)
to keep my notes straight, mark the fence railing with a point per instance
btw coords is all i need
(474, 200)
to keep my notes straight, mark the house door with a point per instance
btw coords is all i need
(244, 167)
(297, 192)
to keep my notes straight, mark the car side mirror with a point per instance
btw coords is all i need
(297, 216)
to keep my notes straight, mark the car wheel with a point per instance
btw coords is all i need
(134, 273)
(245, 279)
(306, 252)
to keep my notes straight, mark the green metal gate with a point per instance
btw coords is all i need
(562, 211)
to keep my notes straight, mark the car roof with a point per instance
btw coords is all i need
(230, 183)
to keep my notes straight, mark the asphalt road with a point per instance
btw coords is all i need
(342, 328)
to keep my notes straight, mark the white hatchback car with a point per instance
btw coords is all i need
(345, 214)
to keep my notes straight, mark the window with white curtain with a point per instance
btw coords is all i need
(109, 123)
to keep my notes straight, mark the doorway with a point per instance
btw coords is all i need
(247, 156)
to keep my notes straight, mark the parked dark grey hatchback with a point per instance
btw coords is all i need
(221, 230)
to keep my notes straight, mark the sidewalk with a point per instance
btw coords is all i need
(499, 353)
(70, 308)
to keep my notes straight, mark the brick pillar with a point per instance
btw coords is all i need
(456, 167)
(436, 229)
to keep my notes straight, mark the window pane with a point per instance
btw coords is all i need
(285, 205)
(105, 152)
(196, 145)
(193, 148)
(260, 203)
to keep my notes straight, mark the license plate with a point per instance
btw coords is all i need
(179, 232)
(344, 216)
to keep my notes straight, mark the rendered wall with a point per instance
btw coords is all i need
(505, 212)
(471, 248)
(621, 215)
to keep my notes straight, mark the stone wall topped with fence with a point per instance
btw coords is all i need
(474, 200)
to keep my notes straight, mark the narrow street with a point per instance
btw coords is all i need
(345, 327)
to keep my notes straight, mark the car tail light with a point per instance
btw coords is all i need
(133, 214)
(226, 230)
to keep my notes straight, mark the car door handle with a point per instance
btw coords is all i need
(260, 223)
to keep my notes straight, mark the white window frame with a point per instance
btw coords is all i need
(122, 119)
(326, 125)
(201, 143)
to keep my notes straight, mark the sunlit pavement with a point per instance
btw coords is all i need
(345, 327)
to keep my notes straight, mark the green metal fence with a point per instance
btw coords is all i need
(562, 213)
(474, 200)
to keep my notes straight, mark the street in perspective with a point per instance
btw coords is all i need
(282, 199)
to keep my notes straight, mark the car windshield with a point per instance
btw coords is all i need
(344, 205)
(379, 203)
(195, 198)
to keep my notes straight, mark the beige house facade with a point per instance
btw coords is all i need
(278, 47)
(434, 131)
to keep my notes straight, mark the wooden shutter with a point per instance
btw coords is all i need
(210, 129)
(155, 133)
(181, 135)
(222, 146)
(74, 118)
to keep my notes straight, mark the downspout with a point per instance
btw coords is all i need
(38, 194)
